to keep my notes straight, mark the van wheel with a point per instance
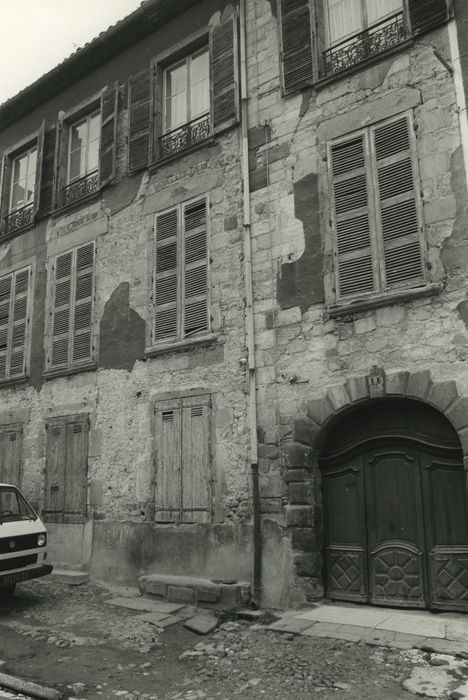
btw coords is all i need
(8, 591)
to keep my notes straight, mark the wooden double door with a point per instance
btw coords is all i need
(396, 526)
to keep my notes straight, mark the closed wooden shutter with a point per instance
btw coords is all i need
(398, 217)
(83, 304)
(6, 285)
(54, 498)
(165, 277)
(76, 471)
(139, 120)
(195, 268)
(168, 452)
(427, 14)
(40, 155)
(11, 454)
(47, 170)
(296, 44)
(107, 152)
(20, 311)
(61, 311)
(352, 221)
(196, 462)
(224, 66)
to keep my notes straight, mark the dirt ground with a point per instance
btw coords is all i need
(71, 639)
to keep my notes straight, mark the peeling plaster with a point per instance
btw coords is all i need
(122, 340)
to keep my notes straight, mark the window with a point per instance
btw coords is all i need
(182, 100)
(183, 460)
(66, 469)
(320, 38)
(23, 180)
(72, 300)
(181, 273)
(83, 147)
(376, 211)
(14, 323)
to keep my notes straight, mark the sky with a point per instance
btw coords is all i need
(39, 34)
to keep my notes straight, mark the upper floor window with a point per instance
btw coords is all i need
(187, 90)
(23, 179)
(83, 147)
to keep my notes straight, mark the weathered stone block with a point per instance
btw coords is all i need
(180, 594)
(419, 384)
(157, 588)
(301, 493)
(304, 539)
(338, 396)
(458, 413)
(357, 388)
(296, 475)
(443, 394)
(295, 455)
(271, 505)
(396, 382)
(308, 564)
(299, 516)
(209, 594)
(304, 430)
(268, 451)
(320, 410)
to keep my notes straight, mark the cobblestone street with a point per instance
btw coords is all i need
(70, 638)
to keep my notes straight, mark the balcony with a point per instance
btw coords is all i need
(79, 189)
(372, 41)
(186, 136)
(18, 219)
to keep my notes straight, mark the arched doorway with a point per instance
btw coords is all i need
(395, 507)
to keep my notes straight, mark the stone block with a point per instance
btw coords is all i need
(295, 455)
(419, 384)
(301, 493)
(458, 413)
(304, 539)
(157, 588)
(443, 394)
(268, 451)
(299, 516)
(320, 410)
(304, 430)
(290, 625)
(357, 388)
(396, 382)
(180, 594)
(308, 564)
(338, 396)
(71, 578)
(202, 624)
(209, 594)
(296, 475)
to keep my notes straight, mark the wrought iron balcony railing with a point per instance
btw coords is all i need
(19, 218)
(370, 42)
(189, 134)
(78, 189)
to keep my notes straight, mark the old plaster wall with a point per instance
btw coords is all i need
(301, 350)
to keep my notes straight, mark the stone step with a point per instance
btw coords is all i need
(190, 590)
(72, 578)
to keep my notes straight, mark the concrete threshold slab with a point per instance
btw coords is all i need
(143, 605)
(32, 689)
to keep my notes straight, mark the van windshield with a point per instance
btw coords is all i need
(13, 506)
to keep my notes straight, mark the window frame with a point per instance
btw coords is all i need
(364, 21)
(181, 339)
(76, 122)
(382, 292)
(187, 61)
(13, 274)
(26, 152)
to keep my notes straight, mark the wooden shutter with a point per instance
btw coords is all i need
(195, 268)
(54, 499)
(139, 120)
(296, 44)
(107, 152)
(5, 191)
(19, 321)
(6, 285)
(11, 454)
(398, 217)
(196, 462)
(351, 218)
(61, 311)
(224, 67)
(165, 277)
(47, 171)
(427, 14)
(83, 304)
(76, 471)
(60, 164)
(168, 448)
(40, 154)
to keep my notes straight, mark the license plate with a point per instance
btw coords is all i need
(15, 578)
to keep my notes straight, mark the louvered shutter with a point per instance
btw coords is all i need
(165, 277)
(11, 453)
(195, 268)
(5, 192)
(397, 204)
(19, 321)
(61, 312)
(139, 120)
(83, 304)
(107, 148)
(168, 446)
(427, 14)
(47, 170)
(40, 155)
(76, 471)
(224, 67)
(54, 498)
(6, 284)
(296, 44)
(196, 463)
(352, 223)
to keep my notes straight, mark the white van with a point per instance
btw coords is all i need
(23, 541)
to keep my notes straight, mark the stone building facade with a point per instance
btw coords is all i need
(234, 247)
